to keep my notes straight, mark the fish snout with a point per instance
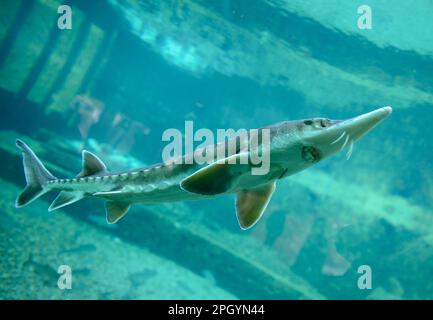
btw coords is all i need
(342, 134)
(360, 125)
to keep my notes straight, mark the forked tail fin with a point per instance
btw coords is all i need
(36, 176)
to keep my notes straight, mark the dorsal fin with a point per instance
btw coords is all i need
(250, 204)
(91, 165)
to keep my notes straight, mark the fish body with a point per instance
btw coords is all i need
(293, 146)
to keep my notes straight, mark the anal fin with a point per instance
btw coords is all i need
(65, 198)
(116, 210)
(250, 204)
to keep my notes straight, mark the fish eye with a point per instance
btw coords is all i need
(308, 122)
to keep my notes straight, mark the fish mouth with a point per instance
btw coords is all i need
(343, 133)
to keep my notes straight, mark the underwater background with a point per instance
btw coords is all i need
(128, 70)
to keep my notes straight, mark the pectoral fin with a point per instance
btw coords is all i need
(116, 210)
(217, 177)
(250, 204)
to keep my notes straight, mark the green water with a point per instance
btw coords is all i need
(129, 70)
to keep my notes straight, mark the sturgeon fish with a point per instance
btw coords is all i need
(294, 146)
